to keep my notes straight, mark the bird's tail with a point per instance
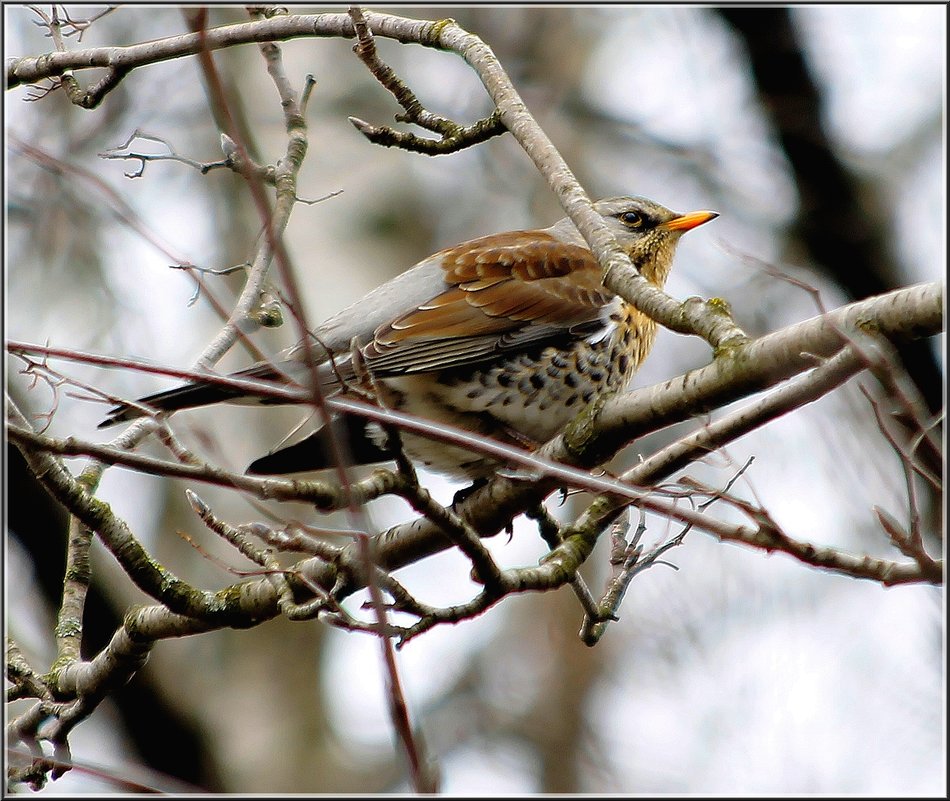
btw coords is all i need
(187, 396)
(317, 451)
(190, 396)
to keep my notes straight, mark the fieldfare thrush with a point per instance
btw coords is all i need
(508, 336)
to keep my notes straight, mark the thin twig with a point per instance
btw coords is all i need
(452, 136)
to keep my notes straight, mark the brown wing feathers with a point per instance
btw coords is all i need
(502, 285)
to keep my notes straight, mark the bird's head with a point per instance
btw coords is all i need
(648, 232)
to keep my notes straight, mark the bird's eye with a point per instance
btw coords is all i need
(631, 219)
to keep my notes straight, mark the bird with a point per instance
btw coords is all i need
(509, 336)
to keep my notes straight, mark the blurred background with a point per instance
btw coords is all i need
(816, 132)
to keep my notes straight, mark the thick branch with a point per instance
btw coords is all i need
(901, 315)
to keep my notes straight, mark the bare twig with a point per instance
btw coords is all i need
(452, 136)
(551, 533)
(169, 155)
(909, 542)
(456, 529)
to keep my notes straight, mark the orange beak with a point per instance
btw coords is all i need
(686, 222)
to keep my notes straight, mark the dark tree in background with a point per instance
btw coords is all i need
(843, 226)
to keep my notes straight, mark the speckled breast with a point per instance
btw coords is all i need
(524, 399)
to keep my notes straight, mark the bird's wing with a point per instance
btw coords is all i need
(504, 293)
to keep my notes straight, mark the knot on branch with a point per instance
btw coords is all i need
(581, 433)
(712, 319)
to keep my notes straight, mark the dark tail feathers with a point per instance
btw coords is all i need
(315, 452)
(183, 397)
